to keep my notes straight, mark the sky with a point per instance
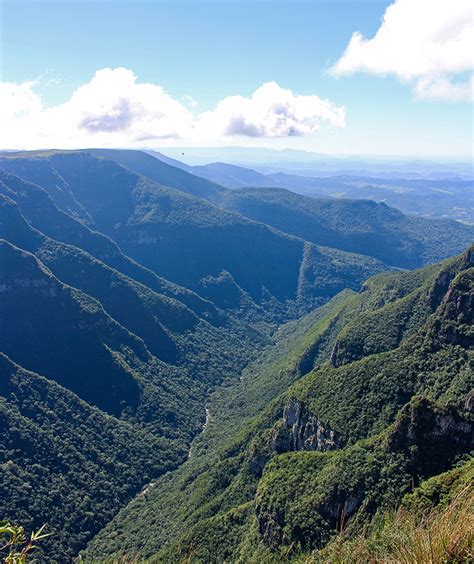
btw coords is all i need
(338, 77)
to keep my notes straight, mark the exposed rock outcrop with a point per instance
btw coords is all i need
(441, 288)
(425, 440)
(431, 436)
(297, 430)
(455, 316)
(302, 430)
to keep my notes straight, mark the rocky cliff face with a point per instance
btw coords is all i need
(425, 440)
(441, 291)
(431, 436)
(454, 321)
(299, 429)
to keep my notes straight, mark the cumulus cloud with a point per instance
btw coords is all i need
(115, 109)
(113, 101)
(271, 111)
(428, 43)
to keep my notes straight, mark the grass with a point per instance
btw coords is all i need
(444, 535)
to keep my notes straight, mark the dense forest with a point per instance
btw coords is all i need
(190, 372)
(427, 195)
(351, 438)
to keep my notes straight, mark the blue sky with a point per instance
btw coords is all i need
(214, 50)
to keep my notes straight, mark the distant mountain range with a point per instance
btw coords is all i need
(131, 290)
(423, 193)
(298, 160)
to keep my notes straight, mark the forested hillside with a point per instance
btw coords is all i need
(429, 195)
(124, 364)
(165, 173)
(151, 402)
(359, 226)
(67, 464)
(135, 308)
(381, 401)
(237, 263)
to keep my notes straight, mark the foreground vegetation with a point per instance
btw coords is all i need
(443, 534)
(15, 546)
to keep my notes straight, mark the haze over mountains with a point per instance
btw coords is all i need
(426, 189)
(297, 160)
(131, 290)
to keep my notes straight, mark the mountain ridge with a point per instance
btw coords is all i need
(148, 216)
(278, 453)
(256, 328)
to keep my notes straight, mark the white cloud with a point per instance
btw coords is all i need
(114, 109)
(444, 88)
(271, 111)
(429, 43)
(190, 101)
(17, 101)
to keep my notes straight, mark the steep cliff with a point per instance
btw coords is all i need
(341, 443)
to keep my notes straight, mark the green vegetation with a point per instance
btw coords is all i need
(228, 418)
(256, 489)
(359, 226)
(264, 276)
(304, 497)
(15, 541)
(66, 463)
(201, 486)
(442, 534)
